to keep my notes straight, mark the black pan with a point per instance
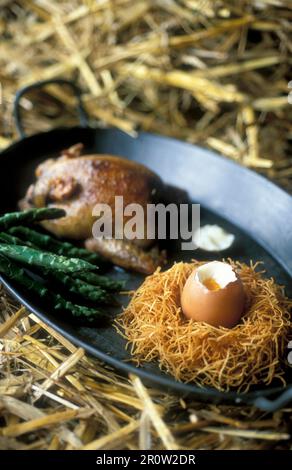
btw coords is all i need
(246, 204)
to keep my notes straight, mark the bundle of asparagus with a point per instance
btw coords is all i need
(48, 243)
(60, 262)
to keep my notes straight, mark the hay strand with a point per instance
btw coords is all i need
(175, 68)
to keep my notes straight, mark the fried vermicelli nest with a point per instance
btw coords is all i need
(251, 353)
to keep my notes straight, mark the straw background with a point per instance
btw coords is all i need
(214, 73)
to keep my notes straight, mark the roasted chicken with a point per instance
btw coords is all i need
(77, 183)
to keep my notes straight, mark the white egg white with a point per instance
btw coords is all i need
(221, 273)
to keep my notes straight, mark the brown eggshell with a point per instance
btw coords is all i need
(223, 307)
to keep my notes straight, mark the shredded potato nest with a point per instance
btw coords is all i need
(251, 353)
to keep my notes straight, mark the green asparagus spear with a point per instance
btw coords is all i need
(77, 285)
(12, 240)
(30, 216)
(98, 280)
(47, 242)
(18, 274)
(77, 310)
(88, 292)
(87, 284)
(32, 257)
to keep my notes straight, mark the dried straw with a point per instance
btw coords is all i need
(85, 405)
(212, 73)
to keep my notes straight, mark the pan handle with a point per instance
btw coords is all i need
(83, 119)
(282, 400)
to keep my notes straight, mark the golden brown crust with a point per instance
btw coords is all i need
(78, 184)
(127, 255)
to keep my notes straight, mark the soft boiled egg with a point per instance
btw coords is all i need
(214, 294)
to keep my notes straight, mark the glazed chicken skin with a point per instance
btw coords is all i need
(77, 183)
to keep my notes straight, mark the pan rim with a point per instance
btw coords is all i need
(168, 382)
